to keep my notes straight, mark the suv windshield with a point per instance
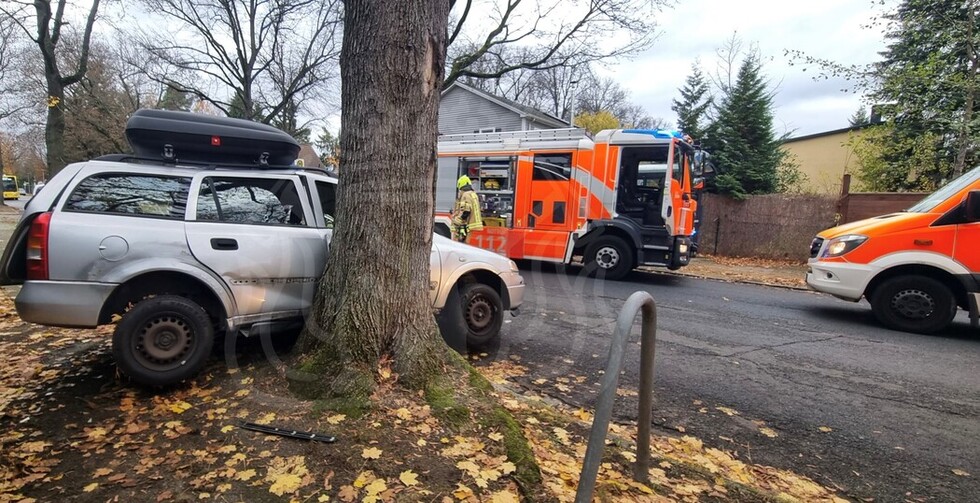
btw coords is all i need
(932, 200)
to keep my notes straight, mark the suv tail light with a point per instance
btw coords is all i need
(37, 247)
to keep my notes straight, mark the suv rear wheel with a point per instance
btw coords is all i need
(163, 340)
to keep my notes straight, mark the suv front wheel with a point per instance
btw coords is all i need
(163, 340)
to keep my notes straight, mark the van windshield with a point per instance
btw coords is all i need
(932, 200)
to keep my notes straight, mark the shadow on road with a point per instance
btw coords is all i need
(959, 330)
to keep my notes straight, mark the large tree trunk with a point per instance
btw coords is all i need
(54, 129)
(373, 304)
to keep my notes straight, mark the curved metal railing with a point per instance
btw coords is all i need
(607, 394)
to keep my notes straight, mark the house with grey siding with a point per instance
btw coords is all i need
(464, 109)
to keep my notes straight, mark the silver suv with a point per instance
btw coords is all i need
(182, 253)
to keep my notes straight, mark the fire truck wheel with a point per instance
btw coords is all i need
(913, 303)
(609, 258)
(483, 312)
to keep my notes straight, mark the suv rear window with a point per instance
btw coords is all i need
(127, 194)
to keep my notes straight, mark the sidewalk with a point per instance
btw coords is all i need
(783, 273)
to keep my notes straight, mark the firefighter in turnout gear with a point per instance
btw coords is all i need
(466, 212)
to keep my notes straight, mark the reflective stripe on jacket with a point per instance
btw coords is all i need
(468, 201)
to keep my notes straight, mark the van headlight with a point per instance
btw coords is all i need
(843, 244)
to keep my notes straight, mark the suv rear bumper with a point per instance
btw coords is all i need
(63, 303)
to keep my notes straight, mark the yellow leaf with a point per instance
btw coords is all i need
(507, 467)
(245, 475)
(583, 415)
(363, 479)
(403, 414)
(228, 428)
(421, 442)
(409, 478)
(961, 473)
(469, 467)
(462, 492)
(504, 496)
(286, 483)
(825, 429)
(371, 453)
(336, 419)
(323, 498)
(91, 487)
(179, 407)
(562, 435)
(769, 432)
(495, 436)
(728, 411)
(242, 393)
(377, 487)
(266, 418)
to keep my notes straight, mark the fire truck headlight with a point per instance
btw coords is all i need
(843, 244)
(682, 248)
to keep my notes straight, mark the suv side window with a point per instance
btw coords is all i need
(129, 194)
(328, 201)
(250, 201)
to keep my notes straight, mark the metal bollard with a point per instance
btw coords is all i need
(607, 394)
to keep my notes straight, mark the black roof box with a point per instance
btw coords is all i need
(191, 138)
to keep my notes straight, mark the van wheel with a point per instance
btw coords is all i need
(483, 313)
(913, 304)
(163, 340)
(609, 258)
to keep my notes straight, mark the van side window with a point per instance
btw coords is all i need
(125, 194)
(250, 201)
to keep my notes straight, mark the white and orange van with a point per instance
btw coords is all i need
(914, 267)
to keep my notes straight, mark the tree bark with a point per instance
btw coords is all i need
(54, 130)
(373, 304)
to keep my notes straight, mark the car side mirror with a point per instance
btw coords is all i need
(973, 206)
(698, 183)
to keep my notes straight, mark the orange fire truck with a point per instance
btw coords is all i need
(618, 201)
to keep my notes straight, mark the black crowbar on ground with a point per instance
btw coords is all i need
(301, 435)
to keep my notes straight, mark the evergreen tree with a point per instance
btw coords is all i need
(742, 140)
(859, 118)
(693, 106)
(173, 99)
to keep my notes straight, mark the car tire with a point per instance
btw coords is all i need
(483, 314)
(163, 340)
(609, 258)
(913, 303)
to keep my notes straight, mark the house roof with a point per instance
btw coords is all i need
(826, 133)
(522, 110)
(309, 156)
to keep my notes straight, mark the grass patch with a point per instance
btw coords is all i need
(442, 398)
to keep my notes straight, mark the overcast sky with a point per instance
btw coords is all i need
(830, 29)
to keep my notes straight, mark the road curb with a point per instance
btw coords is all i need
(726, 280)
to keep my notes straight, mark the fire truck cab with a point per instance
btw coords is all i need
(618, 201)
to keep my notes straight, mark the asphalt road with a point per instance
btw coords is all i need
(903, 410)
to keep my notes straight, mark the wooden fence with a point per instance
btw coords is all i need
(771, 226)
(854, 206)
(781, 226)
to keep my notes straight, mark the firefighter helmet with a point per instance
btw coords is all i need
(462, 182)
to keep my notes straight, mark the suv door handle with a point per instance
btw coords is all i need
(224, 244)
